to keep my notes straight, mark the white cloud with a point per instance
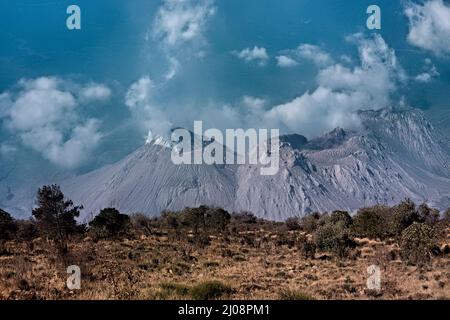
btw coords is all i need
(315, 54)
(179, 21)
(95, 91)
(70, 152)
(254, 103)
(286, 62)
(139, 92)
(174, 67)
(5, 102)
(257, 54)
(430, 72)
(146, 112)
(429, 25)
(43, 113)
(179, 26)
(313, 113)
(342, 91)
(309, 52)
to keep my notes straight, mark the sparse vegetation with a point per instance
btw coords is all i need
(335, 234)
(7, 225)
(417, 243)
(402, 216)
(371, 222)
(210, 290)
(109, 223)
(294, 295)
(293, 224)
(323, 256)
(55, 215)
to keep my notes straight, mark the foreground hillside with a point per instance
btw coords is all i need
(251, 259)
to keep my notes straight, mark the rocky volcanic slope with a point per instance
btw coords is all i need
(394, 155)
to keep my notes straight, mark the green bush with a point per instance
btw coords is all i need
(109, 223)
(403, 215)
(210, 290)
(311, 222)
(194, 218)
(371, 222)
(428, 215)
(417, 241)
(217, 219)
(340, 217)
(334, 236)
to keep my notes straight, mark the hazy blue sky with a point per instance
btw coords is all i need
(91, 95)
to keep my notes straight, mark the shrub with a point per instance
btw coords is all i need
(171, 220)
(55, 215)
(307, 248)
(292, 224)
(446, 216)
(417, 241)
(142, 223)
(403, 215)
(217, 219)
(371, 222)
(245, 218)
(109, 223)
(210, 290)
(195, 218)
(340, 217)
(334, 236)
(428, 215)
(176, 288)
(311, 222)
(7, 225)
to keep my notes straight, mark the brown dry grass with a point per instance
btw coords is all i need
(254, 264)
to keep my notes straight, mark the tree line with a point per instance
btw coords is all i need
(415, 228)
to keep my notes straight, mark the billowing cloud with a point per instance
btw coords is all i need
(146, 112)
(343, 90)
(304, 52)
(315, 54)
(43, 113)
(286, 62)
(429, 25)
(179, 21)
(179, 27)
(255, 54)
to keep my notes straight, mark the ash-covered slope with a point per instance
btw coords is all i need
(147, 181)
(395, 154)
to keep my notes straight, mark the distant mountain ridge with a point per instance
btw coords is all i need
(395, 154)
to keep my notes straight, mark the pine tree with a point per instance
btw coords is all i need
(55, 215)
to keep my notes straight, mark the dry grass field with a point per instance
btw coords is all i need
(263, 262)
